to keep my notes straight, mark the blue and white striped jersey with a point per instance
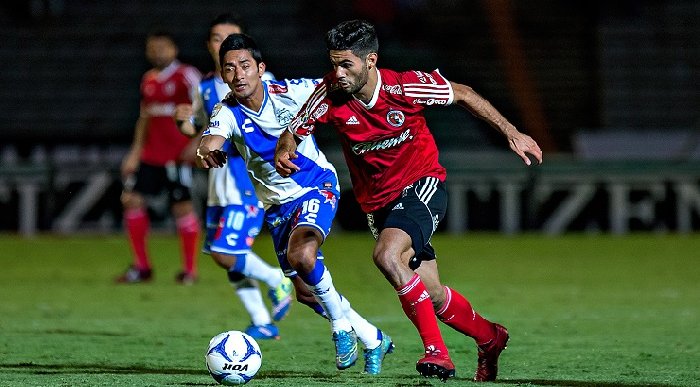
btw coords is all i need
(255, 134)
(229, 185)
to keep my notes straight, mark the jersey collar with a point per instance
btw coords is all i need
(262, 105)
(375, 95)
(168, 70)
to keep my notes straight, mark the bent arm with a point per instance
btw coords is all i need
(520, 143)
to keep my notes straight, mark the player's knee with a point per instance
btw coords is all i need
(302, 249)
(131, 200)
(223, 260)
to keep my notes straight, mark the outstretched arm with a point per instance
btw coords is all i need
(209, 154)
(520, 143)
(285, 153)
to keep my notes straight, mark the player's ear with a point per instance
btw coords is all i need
(261, 69)
(371, 60)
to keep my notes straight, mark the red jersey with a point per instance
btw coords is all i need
(387, 144)
(161, 91)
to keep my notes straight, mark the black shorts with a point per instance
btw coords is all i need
(418, 211)
(152, 180)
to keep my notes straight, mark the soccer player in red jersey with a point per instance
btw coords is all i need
(399, 183)
(157, 160)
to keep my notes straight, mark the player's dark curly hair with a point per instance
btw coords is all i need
(358, 36)
(239, 42)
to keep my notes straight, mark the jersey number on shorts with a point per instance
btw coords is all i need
(309, 210)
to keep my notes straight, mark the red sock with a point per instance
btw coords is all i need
(137, 225)
(188, 231)
(416, 303)
(458, 313)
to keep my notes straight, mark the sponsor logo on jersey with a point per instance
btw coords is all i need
(392, 89)
(160, 109)
(369, 146)
(398, 207)
(395, 118)
(429, 101)
(284, 116)
(329, 197)
(276, 88)
(319, 111)
(253, 232)
(251, 211)
(352, 121)
(214, 124)
(248, 126)
(231, 238)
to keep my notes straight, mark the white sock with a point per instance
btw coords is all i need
(252, 300)
(260, 270)
(328, 297)
(366, 332)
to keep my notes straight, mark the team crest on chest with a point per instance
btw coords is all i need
(395, 118)
(169, 89)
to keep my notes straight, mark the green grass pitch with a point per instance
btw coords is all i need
(582, 310)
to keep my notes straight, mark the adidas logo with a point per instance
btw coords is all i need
(352, 121)
(398, 207)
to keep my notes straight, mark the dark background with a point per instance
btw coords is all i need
(586, 79)
(70, 69)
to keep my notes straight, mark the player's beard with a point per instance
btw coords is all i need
(360, 81)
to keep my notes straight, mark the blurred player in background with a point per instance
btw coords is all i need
(234, 214)
(393, 162)
(299, 211)
(156, 160)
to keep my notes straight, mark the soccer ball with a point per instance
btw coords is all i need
(233, 358)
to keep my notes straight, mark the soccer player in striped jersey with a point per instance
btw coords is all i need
(234, 215)
(156, 161)
(393, 162)
(299, 211)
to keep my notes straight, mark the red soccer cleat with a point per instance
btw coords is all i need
(134, 275)
(437, 364)
(487, 364)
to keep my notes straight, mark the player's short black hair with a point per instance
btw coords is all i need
(239, 42)
(358, 36)
(228, 18)
(162, 34)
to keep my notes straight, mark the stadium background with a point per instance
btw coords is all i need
(609, 89)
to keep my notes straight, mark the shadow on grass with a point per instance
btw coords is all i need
(40, 369)
(578, 383)
(328, 377)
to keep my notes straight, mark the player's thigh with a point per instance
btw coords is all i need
(231, 230)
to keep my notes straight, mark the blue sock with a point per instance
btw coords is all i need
(240, 263)
(314, 277)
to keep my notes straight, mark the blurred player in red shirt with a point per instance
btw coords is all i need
(399, 183)
(157, 160)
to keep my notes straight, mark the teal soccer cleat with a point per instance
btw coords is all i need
(281, 298)
(345, 349)
(375, 357)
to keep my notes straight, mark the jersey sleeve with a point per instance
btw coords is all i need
(199, 114)
(314, 111)
(423, 88)
(192, 78)
(221, 123)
